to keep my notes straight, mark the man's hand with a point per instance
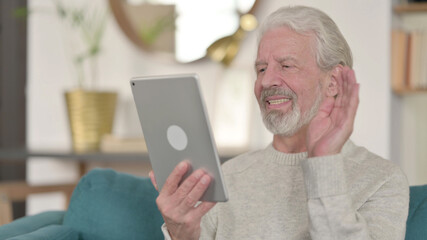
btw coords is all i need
(333, 124)
(177, 202)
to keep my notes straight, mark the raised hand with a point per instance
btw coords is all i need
(177, 202)
(332, 126)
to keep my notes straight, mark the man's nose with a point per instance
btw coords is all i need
(272, 78)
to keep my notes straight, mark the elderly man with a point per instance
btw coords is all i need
(312, 182)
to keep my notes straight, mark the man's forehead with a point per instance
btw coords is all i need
(285, 44)
(287, 58)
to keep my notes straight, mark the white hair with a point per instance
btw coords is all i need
(332, 49)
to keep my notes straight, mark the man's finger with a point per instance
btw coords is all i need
(352, 90)
(202, 209)
(354, 101)
(197, 192)
(189, 183)
(326, 107)
(346, 84)
(153, 179)
(175, 178)
(352, 76)
(339, 79)
(349, 81)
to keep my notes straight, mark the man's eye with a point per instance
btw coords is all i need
(261, 70)
(286, 66)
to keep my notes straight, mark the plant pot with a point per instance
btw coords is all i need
(91, 115)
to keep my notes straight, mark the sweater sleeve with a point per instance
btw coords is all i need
(165, 231)
(208, 228)
(331, 211)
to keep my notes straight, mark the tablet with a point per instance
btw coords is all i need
(175, 125)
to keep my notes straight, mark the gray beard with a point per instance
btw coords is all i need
(287, 124)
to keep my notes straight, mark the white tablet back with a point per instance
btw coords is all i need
(176, 128)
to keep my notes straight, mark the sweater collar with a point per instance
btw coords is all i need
(294, 158)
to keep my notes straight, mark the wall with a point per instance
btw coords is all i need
(365, 24)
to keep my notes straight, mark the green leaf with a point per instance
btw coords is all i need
(150, 33)
(21, 12)
(60, 10)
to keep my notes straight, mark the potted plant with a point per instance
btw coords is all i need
(90, 111)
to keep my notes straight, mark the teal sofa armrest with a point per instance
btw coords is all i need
(31, 223)
(51, 232)
(417, 217)
(108, 205)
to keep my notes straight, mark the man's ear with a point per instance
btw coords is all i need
(332, 88)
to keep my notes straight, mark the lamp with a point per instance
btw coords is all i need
(225, 49)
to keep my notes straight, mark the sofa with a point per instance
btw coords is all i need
(416, 225)
(110, 205)
(104, 205)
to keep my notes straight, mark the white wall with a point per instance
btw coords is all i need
(364, 23)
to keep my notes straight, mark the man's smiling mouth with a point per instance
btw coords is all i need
(277, 101)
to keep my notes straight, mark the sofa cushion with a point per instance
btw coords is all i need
(31, 223)
(52, 232)
(110, 205)
(417, 217)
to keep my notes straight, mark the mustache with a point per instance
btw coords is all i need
(265, 93)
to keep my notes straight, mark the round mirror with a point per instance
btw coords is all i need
(185, 28)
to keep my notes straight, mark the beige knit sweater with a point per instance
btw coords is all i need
(274, 195)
